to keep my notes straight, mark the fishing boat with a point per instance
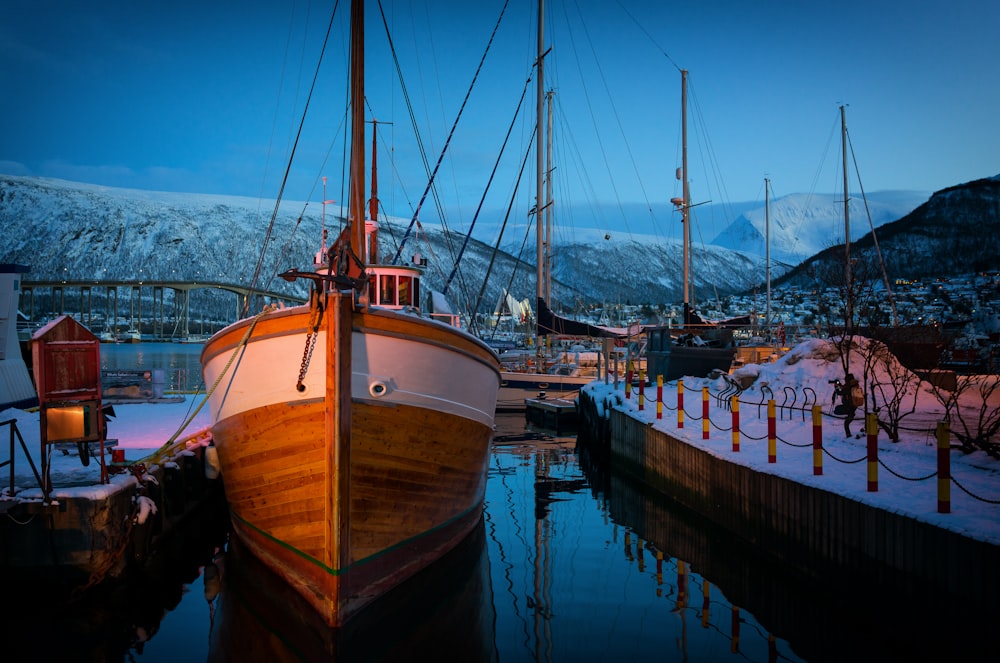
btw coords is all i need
(698, 347)
(353, 433)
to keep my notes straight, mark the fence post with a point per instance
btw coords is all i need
(817, 440)
(659, 396)
(871, 428)
(642, 390)
(944, 467)
(704, 413)
(772, 433)
(680, 403)
(736, 422)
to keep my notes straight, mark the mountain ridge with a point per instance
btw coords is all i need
(62, 228)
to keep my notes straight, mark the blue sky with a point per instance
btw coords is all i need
(205, 97)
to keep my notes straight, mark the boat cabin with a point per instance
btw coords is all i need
(393, 286)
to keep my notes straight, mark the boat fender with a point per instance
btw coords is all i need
(212, 466)
(378, 389)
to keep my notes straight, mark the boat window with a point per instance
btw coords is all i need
(404, 291)
(387, 293)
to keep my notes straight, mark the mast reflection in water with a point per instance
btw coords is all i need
(572, 581)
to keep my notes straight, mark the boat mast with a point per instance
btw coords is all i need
(849, 298)
(548, 202)
(767, 249)
(356, 185)
(373, 203)
(539, 156)
(686, 205)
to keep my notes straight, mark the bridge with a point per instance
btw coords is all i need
(79, 298)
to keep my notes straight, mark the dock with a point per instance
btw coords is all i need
(87, 531)
(555, 414)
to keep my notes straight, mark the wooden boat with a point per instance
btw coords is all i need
(353, 433)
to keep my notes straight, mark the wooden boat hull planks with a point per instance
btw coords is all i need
(416, 458)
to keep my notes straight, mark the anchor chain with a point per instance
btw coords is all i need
(314, 319)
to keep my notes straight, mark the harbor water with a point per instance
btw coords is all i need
(570, 563)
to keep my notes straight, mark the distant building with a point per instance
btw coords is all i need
(16, 388)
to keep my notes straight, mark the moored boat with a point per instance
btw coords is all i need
(353, 433)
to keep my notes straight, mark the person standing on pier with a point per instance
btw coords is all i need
(849, 394)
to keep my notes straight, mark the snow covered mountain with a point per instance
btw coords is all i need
(68, 230)
(952, 233)
(802, 225)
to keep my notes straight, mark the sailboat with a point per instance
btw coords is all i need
(547, 376)
(697, 348)
(353, 433)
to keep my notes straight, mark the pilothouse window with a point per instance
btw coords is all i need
(387, 292)
(404, 291)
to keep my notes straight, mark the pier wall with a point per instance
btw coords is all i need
(821, 534)
(91, 534)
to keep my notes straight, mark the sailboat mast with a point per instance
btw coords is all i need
(356, 200)
(767, 247)
(548, 201)
(849, 299)
(686, 206)
(373, 201)
(539, 155)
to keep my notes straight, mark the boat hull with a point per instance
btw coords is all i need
(516, 387)
(344, 506)
(677, 362)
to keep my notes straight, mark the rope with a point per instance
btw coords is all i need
(253, 323)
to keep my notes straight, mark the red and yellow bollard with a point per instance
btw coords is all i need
(772, 433)
(659, 396)
(680, 403)
(817, 440)
(944, 467)
(642, 390)
(871, 428)
(736, 422)
(704, 413)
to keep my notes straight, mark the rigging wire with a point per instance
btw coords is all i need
(284, 180)
(878, 251)
(503, 226)
(496, 165)
(597, 132)
(451, 133)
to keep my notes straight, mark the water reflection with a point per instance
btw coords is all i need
(155, 609)
(829, 617)
(573, 580)
(180, 362)
(572, 562)
(443, 613)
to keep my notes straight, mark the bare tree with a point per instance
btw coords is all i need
(892, 388)
(971, 411)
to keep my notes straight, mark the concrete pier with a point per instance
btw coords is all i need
(820, 533)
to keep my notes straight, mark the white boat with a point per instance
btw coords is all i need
(353, 433)
(129, 336)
